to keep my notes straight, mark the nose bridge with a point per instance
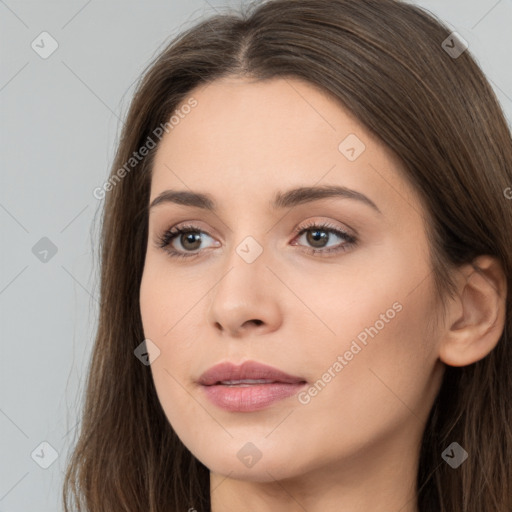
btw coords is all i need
(246, 273)
(248, 245)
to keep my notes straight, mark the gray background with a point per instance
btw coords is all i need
(59, 122)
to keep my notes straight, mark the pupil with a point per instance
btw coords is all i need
(318, 236)
(191, 237)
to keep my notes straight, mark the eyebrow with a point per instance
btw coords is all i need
(281, 200)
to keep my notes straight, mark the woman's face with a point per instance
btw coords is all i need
(350, 321)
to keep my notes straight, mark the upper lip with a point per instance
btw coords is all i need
(247, 370)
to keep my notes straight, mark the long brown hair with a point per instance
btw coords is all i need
(386, 63)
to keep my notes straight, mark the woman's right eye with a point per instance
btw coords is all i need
(189, 237)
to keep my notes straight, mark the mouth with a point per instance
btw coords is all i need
(245, 382)
(249, 387)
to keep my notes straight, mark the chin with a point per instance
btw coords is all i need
(243, 462)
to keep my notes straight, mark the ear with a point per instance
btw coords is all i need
(476, 316)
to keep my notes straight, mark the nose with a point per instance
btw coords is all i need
(247, 299)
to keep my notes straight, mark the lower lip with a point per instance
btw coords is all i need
(250, 398)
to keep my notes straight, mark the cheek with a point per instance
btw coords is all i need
(380, 353)
(166, 319)
(164, 299)
(384, 377)
(363, 296)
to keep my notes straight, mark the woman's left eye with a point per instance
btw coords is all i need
(190, 238)
(317, 234)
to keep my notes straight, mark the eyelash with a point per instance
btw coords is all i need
(164, 241)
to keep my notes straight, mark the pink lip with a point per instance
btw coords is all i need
(248, 397)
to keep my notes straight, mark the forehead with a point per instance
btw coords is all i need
(246, 140)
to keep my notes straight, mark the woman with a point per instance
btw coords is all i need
(336, 335)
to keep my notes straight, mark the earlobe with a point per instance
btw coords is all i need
(476, 317)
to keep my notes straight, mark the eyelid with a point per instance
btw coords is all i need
(311, 222)
(326, 224)
(193, 224)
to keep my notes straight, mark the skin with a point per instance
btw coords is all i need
(355, 445)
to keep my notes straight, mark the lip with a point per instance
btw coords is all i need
(247, 397)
